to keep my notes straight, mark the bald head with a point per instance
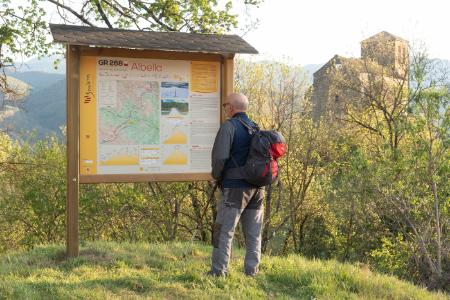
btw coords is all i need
(238, 101)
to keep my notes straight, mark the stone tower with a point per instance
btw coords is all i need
(384, 53)
(386, 50)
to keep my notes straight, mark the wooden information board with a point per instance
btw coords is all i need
(139, 116)
(146, 118)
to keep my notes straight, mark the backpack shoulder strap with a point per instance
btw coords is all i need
(236, 172)
(252, 129)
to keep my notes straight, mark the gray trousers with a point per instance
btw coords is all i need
(246, 205)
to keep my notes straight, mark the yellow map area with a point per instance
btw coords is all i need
(121, 160)
(177, 137)
(176, 158)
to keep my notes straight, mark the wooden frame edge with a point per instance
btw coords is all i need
(130, 178)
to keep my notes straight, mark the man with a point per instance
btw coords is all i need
(240, 200)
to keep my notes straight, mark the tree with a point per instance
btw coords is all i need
(165, 15)
(430, 131)
(22, 34)
(278, 100)
(114, 211)
(24, 31)
(400, 118)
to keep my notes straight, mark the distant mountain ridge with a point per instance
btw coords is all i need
(311, 69)
(48, 106)
(45, 64)
(36, 79)
(44, 109)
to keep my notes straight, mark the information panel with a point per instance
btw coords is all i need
(145, 116)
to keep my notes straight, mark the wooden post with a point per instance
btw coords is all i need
(229, 75)
(227, 82)
(73, 99)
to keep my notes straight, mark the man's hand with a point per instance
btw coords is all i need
(219, 184)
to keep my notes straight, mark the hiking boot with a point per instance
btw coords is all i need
(252, 274)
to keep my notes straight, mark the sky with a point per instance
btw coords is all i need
(313, 31)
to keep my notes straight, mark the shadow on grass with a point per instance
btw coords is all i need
(89, 256)
(136, 284)
(111, 259)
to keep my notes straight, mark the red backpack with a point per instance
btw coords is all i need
(261, 167)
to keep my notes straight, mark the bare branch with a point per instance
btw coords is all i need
(80, 17)
(102, 13)
(154, 17)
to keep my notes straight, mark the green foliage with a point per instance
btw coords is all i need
(32, 194)
(345, 192)
(393, 257)
(165, 15)
(177, 270)
(23, 31)
(137, 212)
(277, 101)
(395, 178)
(347, 189)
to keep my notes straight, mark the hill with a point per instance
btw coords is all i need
(311, 69)
(43, 110)
(107, 270)
(20, 91)
(37, 80)
(44, 64)
(48, 106)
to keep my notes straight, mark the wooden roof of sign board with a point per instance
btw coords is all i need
(150, 40)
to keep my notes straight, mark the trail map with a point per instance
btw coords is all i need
(142, 116)
(134, 118)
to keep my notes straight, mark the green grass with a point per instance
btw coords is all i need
(107, 270)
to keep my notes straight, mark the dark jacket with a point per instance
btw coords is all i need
(233, 139)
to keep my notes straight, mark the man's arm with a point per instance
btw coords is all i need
(221, 149)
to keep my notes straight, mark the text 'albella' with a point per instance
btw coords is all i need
(148, 68)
